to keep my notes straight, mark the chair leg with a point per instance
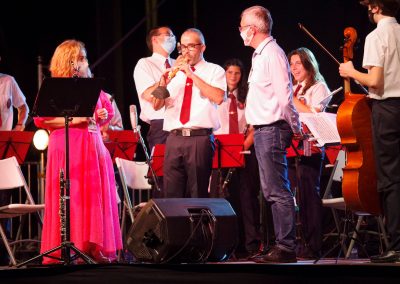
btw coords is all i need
(339, 232)
(7, 245)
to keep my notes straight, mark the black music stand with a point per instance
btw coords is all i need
(229, 154)
(122, 144)
(15, 143)
(66, 97)
(157, 159)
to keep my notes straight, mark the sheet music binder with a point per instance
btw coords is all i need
(322, 126)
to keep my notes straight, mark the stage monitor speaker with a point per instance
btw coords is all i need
(184, 230)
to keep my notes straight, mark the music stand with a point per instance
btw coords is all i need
(15, 143)
(229, 154)
(229, 151)
(122, 144)
(157, 159)
(66, 97)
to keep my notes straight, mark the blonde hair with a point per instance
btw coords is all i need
(65, 57)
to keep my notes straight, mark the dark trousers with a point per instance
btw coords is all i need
(386, 141)
(156, 135)
(305, 181)
(187, 165)
(242, 192)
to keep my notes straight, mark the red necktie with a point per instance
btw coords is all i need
(302, 99)
(167, 65)
(233, 115)
(297, 90)
(187, 99)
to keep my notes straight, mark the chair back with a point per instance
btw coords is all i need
(11, 177)
(133, 173)
(10, 174)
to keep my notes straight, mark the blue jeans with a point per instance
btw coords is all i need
(270, 143)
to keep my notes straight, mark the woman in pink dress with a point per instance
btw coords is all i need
(94, 225)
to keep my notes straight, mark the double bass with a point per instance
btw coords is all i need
(359, 185)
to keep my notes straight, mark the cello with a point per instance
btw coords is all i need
(359, 185)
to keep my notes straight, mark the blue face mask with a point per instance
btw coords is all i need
(169, 44)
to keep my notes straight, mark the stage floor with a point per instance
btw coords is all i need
(326, 271)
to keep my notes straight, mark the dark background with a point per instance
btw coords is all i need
(29, 29)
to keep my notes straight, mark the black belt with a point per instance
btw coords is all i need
(192, 132)
(276, 124)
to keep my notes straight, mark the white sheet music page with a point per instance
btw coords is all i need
(322, 126)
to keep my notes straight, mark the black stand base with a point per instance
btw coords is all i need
(66, 258)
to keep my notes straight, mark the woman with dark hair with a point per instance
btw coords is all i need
(243, 189)
(311, 94)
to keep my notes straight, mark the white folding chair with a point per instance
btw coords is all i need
(339, 204)
(11, 177)
(133, 176)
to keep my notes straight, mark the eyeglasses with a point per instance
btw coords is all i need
(242, 28)
(190, 46)
(166, 34)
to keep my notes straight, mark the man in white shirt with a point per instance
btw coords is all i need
(161, 41)
(190, 117)
(382, 60)
(11, 97)
(271, 111)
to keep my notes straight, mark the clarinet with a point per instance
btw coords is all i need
(62, 212)
(228, 176)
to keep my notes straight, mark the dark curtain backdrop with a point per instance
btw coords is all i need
(29, 29)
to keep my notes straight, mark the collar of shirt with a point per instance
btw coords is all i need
(262, 45)
(161, 58)
(199, 65)
(388, 20)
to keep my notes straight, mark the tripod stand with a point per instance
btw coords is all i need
(75, 97)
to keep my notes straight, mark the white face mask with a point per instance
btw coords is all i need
(246, 38)
(169, 44)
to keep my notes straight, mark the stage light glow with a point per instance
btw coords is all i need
(41, 139)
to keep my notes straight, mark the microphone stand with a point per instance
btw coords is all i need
(148, 161)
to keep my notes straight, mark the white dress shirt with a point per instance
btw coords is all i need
(317, 96)
(382, 49)
(203, 112)
(223, 116)
(147, 72)
(270, 88)
(10, 96)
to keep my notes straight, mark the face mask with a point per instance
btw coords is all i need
(246, 38)
(169, 44)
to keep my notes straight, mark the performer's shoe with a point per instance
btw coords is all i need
(387, 257)
(278, 255)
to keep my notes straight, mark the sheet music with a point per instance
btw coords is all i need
(322, 126)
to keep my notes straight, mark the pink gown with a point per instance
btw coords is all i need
(94, 222)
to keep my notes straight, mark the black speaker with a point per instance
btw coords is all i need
(184, 230)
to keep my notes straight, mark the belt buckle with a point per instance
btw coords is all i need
(186, 132)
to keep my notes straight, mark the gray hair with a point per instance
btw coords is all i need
(260, 18)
